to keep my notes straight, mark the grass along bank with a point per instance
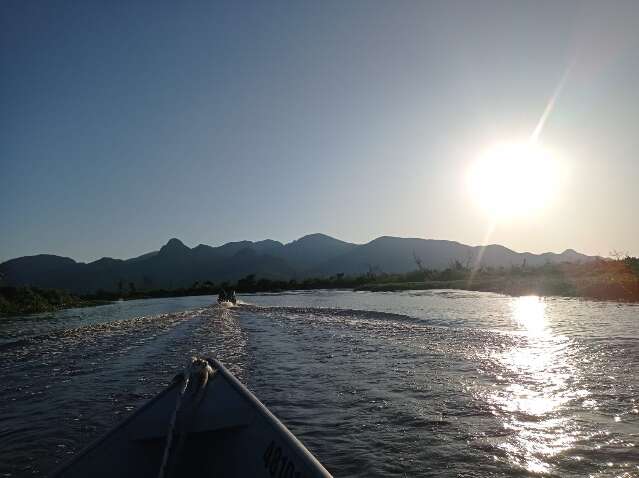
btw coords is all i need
(31, 300)
(601, 279)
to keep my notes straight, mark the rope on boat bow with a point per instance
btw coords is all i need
(196, 369)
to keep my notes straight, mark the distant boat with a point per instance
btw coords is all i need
(224, 297)
(205, 424)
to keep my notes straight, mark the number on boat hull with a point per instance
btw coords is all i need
(279, 465)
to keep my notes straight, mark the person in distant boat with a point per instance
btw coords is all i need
(232, 297)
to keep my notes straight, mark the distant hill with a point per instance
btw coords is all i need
(176, 265)
(307, 252)
(399, 255)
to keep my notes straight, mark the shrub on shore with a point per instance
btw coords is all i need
(30, 300)
(602, 279)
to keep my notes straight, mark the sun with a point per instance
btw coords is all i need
(514, 179)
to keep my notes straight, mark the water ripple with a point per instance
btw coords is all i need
(431, 383)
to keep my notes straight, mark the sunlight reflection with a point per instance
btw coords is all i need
(535, 376)
(529, 312)
(531, 402)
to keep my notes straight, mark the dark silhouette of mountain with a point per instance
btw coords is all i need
(44, 269)
(399, 255)
(393, 255)
(308, 251)
(176, 265)
(144, 256)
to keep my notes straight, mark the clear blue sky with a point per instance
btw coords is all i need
(126, 123)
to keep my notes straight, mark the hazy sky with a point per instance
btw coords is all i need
(123, 124)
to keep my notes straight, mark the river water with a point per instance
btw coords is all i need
(428, 383)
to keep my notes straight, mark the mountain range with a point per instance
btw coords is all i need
(315, 255)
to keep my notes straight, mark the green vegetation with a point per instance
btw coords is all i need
(602, 279)
(248, 284)
(30, 300)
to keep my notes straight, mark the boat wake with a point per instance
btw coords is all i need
(373, 384)
(83, 380)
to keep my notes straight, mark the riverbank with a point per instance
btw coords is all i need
(616, 280)
(33, 300)
(609, 280)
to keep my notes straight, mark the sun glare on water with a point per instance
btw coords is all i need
(514, 179)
